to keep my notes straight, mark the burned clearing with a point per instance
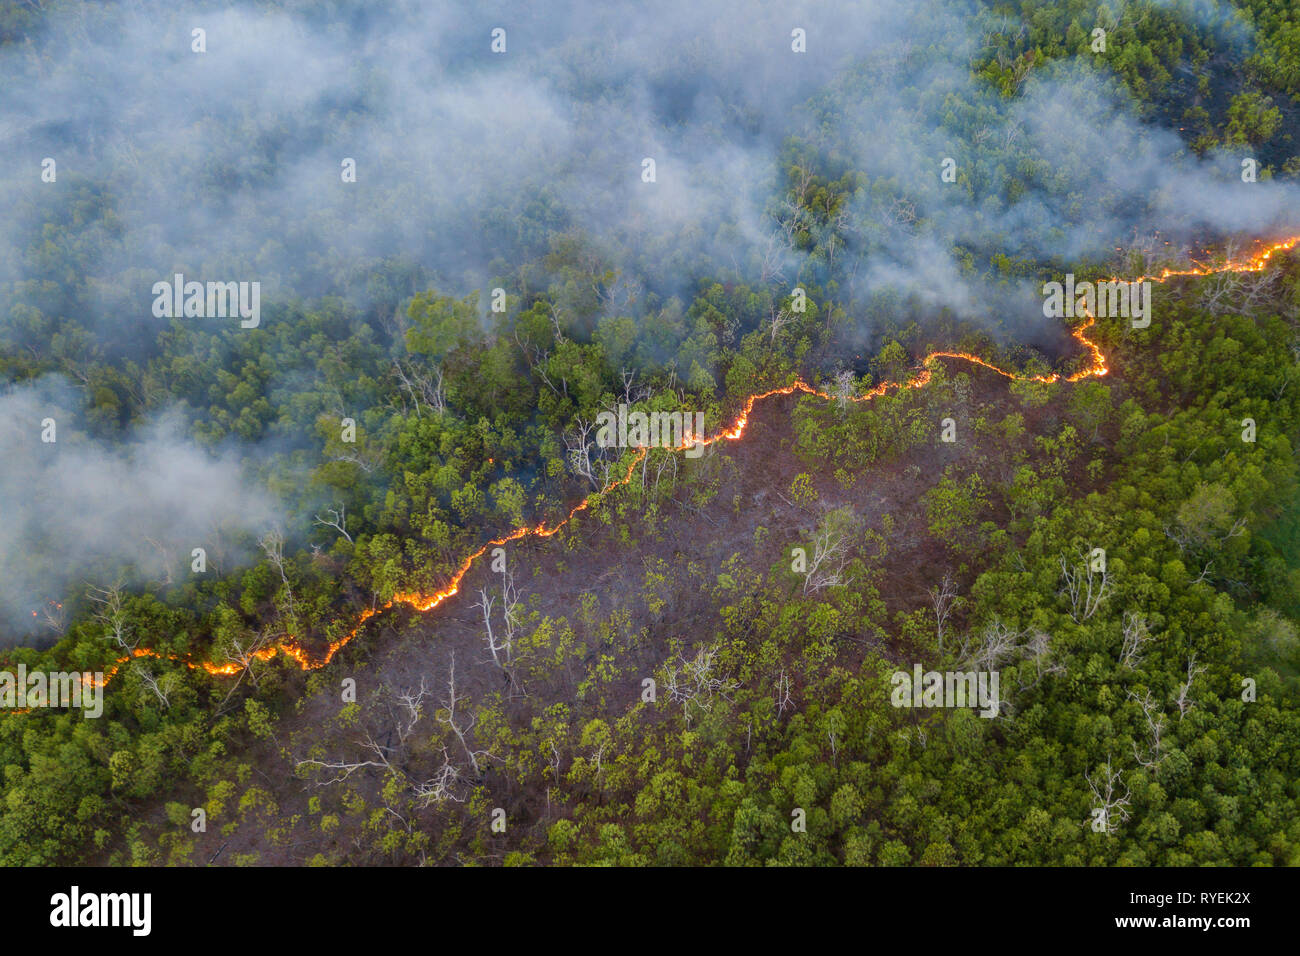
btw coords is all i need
(628, 591)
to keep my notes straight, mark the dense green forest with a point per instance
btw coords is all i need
(400, 415)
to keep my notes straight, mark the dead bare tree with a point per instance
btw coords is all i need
(777, 320)
(578, 443)
(1037, 649)
(458, 726)
(694, 681)
(346, 768)
(55, 616)
(501, 645)
(667, 462)
(803, 182)
(632, 393)
(1140, 252)
(783, 698)
(164, 562)
(410, 712)
(832, 547)
(1136, 636)
(441, 786)
(1198, 537)
(363, 463)
(900, 214)
(1107, 799)
(242, 653)
(510, 612)
(537, 359)
(423, 387)
(1155, 727)
(338, 521)
(406, 710)
(112, 615)
(272, 544)
(1182, 699)
(151, 682)
(1085, 587)
(1024, 66)
(554, 762)
(1238, 292)
(995, 644)
(773, 255)
(944, 599)
(842, 389)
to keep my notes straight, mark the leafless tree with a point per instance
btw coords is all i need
(346, 768)
(1141, 250)
(338, 521)
(1085, 587)
(995, 644)
(695, 681)
(112, 615)
(1194, 538)
(1155, 727)
(777, 320)
(1107, 798)
(832, 548)
(410, 711)
(773, 255)
(55, 616)
(1136, 636)
(272, 544)
(1037, 649)
(578, 442)
(1182, 698)
(538, 358)
(1020, 73)
(441, 786)
(899, 214)
(151, 682)
(406, 711)
(554, 762)
(243, 652)
(944, 599)
(423, 387)
(598, 757)
(364, 464)
(783, 698)
(164, 562)
(1238, 292)
(802, 183)
(458, 725)
(632, 393)
(667, 462)
(842, 389)
(501, 645)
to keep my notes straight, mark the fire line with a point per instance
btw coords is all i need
(423, 602)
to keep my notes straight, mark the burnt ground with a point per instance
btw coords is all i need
(607, 562)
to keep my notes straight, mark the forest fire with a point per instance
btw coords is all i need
(427, 601)
(1254, 263)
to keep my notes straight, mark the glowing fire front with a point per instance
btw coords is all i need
(422, 601)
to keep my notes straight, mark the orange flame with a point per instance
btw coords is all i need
(428, 601)
(1254, 263)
